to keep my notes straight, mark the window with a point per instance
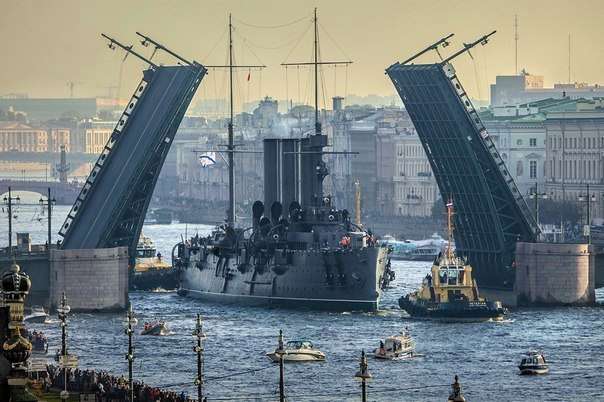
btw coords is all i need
(533, 142)
(533, 169)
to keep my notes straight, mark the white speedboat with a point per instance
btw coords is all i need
(533, 363)
(37, 315)
(396, 347)
(301, 350)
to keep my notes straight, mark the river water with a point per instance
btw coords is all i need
(484, 355)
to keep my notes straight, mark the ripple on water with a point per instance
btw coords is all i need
(484, 355)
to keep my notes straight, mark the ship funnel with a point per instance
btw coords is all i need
(276, 212)
(257, 211)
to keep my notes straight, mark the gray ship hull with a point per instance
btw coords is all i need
(330, 279)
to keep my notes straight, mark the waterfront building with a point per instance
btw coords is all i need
(511, 90)
(575, 152)
(21, 137)
(520, 136)
(91, 136)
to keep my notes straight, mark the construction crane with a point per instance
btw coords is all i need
(72, 84)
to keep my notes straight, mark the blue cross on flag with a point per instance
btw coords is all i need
(207, 159)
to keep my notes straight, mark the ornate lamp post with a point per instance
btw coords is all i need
(130, 321)
(199, 335)
(63, 310)
(17, 349)
(364, 376)
(587, 199)
(535, 195)
(8, 201)
(281, 351)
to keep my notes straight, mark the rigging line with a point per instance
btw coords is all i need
(310, 24)
(244, 40)
(476, 74)
(345, 86)
(286, 90)
(334, 42)
(216, 44)
(273, 26)
(288, 40)
(298, 71)
(335, 80)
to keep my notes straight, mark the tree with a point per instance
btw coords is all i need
(438, 210)
(553, 212)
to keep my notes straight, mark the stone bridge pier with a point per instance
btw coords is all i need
(555, 274)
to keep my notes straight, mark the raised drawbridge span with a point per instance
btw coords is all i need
(491, 214)
(112, 204)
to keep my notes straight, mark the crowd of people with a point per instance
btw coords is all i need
(108, 388)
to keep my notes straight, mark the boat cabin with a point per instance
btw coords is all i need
(449, 280)
(299, 344)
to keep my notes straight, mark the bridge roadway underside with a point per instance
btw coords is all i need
(110, 209)
(491, 215)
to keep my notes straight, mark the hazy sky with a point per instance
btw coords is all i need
(45, 44)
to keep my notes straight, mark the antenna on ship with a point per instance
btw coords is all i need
(449, 228)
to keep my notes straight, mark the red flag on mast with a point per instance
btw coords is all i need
(249, 75)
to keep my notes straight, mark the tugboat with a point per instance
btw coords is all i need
(301, 251)
(37, 315)
(449, 292)
(396, 347)
(150, 270)
(533, 363)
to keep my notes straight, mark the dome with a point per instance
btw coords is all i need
(15, 284)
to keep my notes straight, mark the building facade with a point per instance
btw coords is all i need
(21, 137)
(575, 154)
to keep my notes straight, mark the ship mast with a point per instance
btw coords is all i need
(231, 140)
(231, 145)
(316, 62)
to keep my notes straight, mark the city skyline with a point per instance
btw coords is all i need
(66, 36)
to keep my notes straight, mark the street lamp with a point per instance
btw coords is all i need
(63, 310)
(587, 199)
(9, 202)
(130, 321)
(280, 352)
(364, 376)
(49, 202)
(199, 335)
(535, 195)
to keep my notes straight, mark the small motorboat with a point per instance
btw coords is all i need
(396, 347)
(39, 343)
(37, 315)
(157, 328)
(533, 363)
(301, 350)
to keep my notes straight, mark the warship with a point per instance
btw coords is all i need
(300, 251)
